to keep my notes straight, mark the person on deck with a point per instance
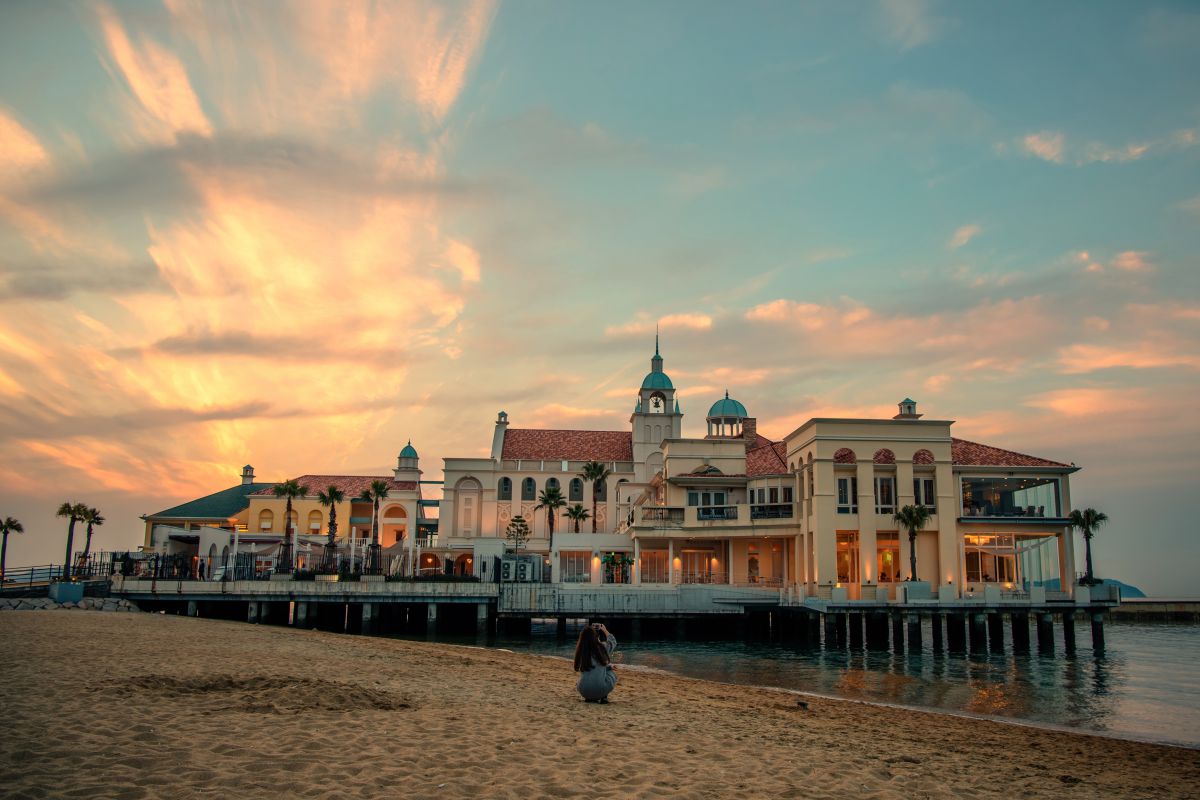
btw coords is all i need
(593, 659)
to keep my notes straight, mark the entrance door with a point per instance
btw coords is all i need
(697, 566)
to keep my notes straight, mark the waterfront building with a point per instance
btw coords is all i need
(811, 514)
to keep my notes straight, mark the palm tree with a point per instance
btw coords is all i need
(552, 500)
(1088, 521)
(913, 518)
(377, 491)
(577, 513)
(9, 525)
(596, 473)
(94, 519)
(74, 512)
(291, 489)
(330, 498)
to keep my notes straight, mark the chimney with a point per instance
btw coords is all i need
(749, 430)
(908, 410)
(247, 475)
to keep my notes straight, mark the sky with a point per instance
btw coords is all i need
(297, 235)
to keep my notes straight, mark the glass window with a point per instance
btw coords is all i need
(847, 495)
(847, 556)
(576, 567)
(504, 489)
(718, 498)
(693, 498)
(887, 544)
(773, 495)
(528, 489)
(787, 494)
(885, 495)
(923, 493)
(602, 490)
(552, 483)
(1010, 497)
(576, 490)
(653, 568)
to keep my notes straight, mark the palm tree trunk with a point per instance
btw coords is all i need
(332, 523)
(912, 553)
(70, 543)
(593, 508)
(87, 548)
(1087, 546)
(3, 556)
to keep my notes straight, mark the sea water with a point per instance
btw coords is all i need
(1145, 685)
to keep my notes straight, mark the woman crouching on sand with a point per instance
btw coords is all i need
(593, 658)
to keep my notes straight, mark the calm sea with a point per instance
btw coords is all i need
(1145, 686)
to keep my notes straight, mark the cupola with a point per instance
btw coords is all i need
(908, 409)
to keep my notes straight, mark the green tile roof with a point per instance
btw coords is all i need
(221, 505)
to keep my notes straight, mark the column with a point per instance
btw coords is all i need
(1045, 633)
(949, 566)
(867, 552)
(368, 617)
(824, 525)
(1066, 562)
(729, 561)
(1098, 631)
(904, 497)
(914, 632)
(637, 562)
(671, 578)
(252, 612)
(1068, 619)
(996, 632)
(193, 608)
(431, 615)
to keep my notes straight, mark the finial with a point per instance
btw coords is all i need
(726, 394)
(656, 338)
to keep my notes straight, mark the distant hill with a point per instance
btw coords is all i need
(1126, 589)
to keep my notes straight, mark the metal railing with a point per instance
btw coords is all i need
(771, 511)
(707, 513)
(673, 514)
(21, 579)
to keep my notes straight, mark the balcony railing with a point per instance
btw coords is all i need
(706, 513)
(665, 514)
(772, 511)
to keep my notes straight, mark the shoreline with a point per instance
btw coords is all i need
(147, 705)
(969, 715)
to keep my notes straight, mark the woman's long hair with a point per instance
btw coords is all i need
(589, 652)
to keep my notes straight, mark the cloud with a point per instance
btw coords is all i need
(20, 151)
(1046, 145)
(1129, 261)
(963, 235)
(910, 23)
(1089, 402)
(1191, 205)
(61, 278)
(644, 324)
(1151, 354)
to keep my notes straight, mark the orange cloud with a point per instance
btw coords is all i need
(645, 325)
(1083, 358)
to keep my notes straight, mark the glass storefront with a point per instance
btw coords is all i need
(1022, 561)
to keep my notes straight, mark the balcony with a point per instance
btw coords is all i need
(716, 513)
(772, 511)
(662, 515)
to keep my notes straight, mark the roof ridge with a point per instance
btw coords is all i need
(568, 430)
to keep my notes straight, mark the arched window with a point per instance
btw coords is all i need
(314, 521)
(884, 456)
(575, 490)
(602, 490)
(266, 519)
(528, 489)
(552, 483)
(845, 456)
(504, 489)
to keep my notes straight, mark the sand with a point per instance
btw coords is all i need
(144, 705)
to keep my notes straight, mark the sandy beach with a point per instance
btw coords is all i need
(143, 705)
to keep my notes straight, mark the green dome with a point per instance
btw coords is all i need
(409, 451)
(728, 407)
(656, 380)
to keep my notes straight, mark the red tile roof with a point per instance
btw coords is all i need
(351, 485)
(965, 453)
(531, 444)
(769, 459)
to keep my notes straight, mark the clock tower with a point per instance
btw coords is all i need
(656, 416)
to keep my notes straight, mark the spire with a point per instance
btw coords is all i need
(656, 339)
(656, 362)
(726, 394)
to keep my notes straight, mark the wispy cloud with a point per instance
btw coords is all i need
(910, 23)
(645, 325)
(1057, 148)
(1046, 145)
(963, 235)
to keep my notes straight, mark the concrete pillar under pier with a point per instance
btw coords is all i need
(252, 612)
(301, 617)
(935, 621)
(855, 622)
(635, 629)
(956, 632)
(995, 623)
(431, 616)
(1098, 631)
(1069, 631)
(898, 633)
(1045, 633)
(843, 631)
(481, 617)
(560, 628)
(369, 617)
(830, 625)
(914, 633)
(193, 608)
(1020, 632)
(877, 631)
(814, 629)
(978, 632)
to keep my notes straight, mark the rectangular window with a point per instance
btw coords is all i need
(774, 495)
(847, 495)
(787, 494)
(718, 498)
(693, 498)
(654, 567)
(887, 545)
(1010, 497)
(923, 493)
(576, 567)
(885, 495)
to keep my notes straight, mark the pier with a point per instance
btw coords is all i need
(376, 605)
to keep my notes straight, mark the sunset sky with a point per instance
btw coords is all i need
(297, 235)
